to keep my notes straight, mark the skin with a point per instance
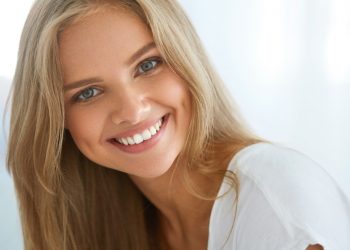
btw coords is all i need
(315, 247)
(100, 46)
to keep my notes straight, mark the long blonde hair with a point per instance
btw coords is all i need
(65, 200)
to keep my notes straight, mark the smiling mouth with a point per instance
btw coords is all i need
(143, 136)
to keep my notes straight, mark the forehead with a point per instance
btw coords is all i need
(103, 37)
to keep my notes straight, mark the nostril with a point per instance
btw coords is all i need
(130, 115)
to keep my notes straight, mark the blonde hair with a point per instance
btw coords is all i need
(65, 200)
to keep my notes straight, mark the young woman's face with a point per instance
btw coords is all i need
(117, 91)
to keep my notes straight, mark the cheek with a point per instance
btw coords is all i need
(174, 91)
(84, 127)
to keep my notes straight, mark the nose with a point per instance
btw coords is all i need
(130, 106)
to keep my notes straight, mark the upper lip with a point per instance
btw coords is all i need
(138, 129)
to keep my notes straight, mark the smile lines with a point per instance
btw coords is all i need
(140, 137)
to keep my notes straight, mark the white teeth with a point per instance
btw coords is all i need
(138, 138)
(146, 135)
(152, 130)
(124, 141)
(130, 141)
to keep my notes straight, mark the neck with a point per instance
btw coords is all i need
(183, 217)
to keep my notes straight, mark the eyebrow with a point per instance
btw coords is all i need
(132, 59)
(81, 83)
(140, 52)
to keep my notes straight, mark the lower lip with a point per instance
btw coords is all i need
(145, 145)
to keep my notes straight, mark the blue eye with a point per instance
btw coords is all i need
(87, 94)
(148, 65)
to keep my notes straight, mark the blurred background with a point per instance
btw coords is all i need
(286, 64)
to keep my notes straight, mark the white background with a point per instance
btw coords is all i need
(286, 63)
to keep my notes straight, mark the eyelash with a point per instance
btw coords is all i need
(78, 97)
(158, 61)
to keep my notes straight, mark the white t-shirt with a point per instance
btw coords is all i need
(286, 201)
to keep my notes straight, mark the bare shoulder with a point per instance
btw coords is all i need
(314, 247)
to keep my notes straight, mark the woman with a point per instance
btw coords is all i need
(122, 137)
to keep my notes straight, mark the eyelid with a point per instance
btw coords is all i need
(76, 99)
(158, 59)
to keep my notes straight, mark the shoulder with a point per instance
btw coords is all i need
(276, 167)
(262, 157)
(296, 191)
(290, 179)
